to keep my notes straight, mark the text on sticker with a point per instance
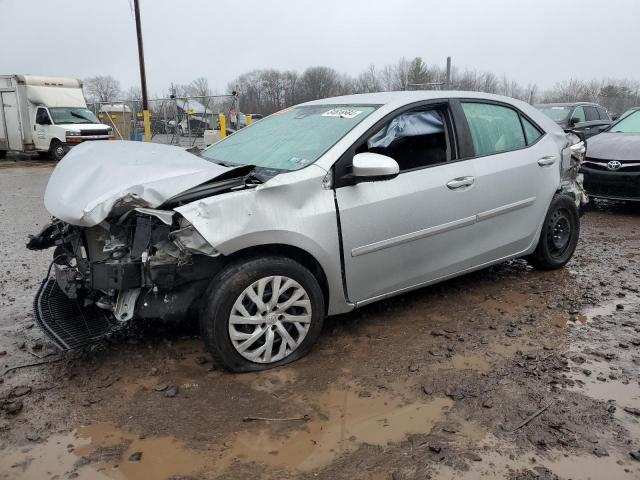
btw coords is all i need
(342, 113)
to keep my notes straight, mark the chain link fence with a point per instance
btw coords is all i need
(182, 121)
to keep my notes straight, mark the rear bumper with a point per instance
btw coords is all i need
(615, 185)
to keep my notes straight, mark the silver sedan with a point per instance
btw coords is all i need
(313, 211)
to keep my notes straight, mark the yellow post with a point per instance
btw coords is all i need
(146, 118)
(223, 126)
(248, 120)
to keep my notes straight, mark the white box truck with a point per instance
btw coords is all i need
(45, 115)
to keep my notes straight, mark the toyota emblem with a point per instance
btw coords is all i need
(614, 165)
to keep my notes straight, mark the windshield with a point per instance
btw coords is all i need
(72, 115)
(290, 139)
(557, 114)
(629, 124)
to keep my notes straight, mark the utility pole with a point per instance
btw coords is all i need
(143, 76)
(448, 81)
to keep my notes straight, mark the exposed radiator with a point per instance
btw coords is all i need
(69, 325)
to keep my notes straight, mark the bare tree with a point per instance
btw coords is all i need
(368, 81)
(103, 88)
(133, 93)
(199, 88)
(319, 82)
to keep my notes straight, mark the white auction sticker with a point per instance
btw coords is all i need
(342, 113)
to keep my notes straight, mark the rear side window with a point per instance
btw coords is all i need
(603, 114)
(591, 113)
(531, 132)
(494, 128)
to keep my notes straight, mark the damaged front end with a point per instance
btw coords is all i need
(145, 263)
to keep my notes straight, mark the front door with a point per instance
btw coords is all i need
(41, 134)
(415, 228)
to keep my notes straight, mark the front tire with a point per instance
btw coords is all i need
(261, 313)
(57, 150)
(559, 235)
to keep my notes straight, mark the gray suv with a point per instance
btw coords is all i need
(588, 118)
(313, 211)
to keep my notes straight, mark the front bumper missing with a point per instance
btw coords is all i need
(68, 324)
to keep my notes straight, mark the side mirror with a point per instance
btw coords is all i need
(368, 167)
(573, 121)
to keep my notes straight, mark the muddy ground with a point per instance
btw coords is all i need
(505, 373)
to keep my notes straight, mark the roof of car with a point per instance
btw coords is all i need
(383, 98)
(565, 104)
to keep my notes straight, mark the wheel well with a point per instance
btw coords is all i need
(294, 253)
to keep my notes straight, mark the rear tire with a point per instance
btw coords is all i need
(247, 329)
(559, 235)
(57, 150)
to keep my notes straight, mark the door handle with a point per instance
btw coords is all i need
(460, 182)
(545, 161)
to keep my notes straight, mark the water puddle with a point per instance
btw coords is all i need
(101, 451)
(608, 308)
(344, 418)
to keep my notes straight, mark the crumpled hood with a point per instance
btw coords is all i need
(96, 176)
(614, 146)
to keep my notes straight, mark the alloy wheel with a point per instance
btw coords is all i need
(270, 319)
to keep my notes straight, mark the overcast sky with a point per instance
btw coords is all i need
(540, 41)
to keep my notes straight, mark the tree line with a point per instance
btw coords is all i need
(266, 91)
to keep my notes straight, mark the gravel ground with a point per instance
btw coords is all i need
(504, 373)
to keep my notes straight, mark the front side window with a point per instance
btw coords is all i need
(494, 128)
(72, 115)
(42, 117)
(579, 115)
(591, 113)
(414, 139)
(629, 124)
(290, 139)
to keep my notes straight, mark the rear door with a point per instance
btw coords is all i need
(12, 120)
(517, 173)
(415, 228)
